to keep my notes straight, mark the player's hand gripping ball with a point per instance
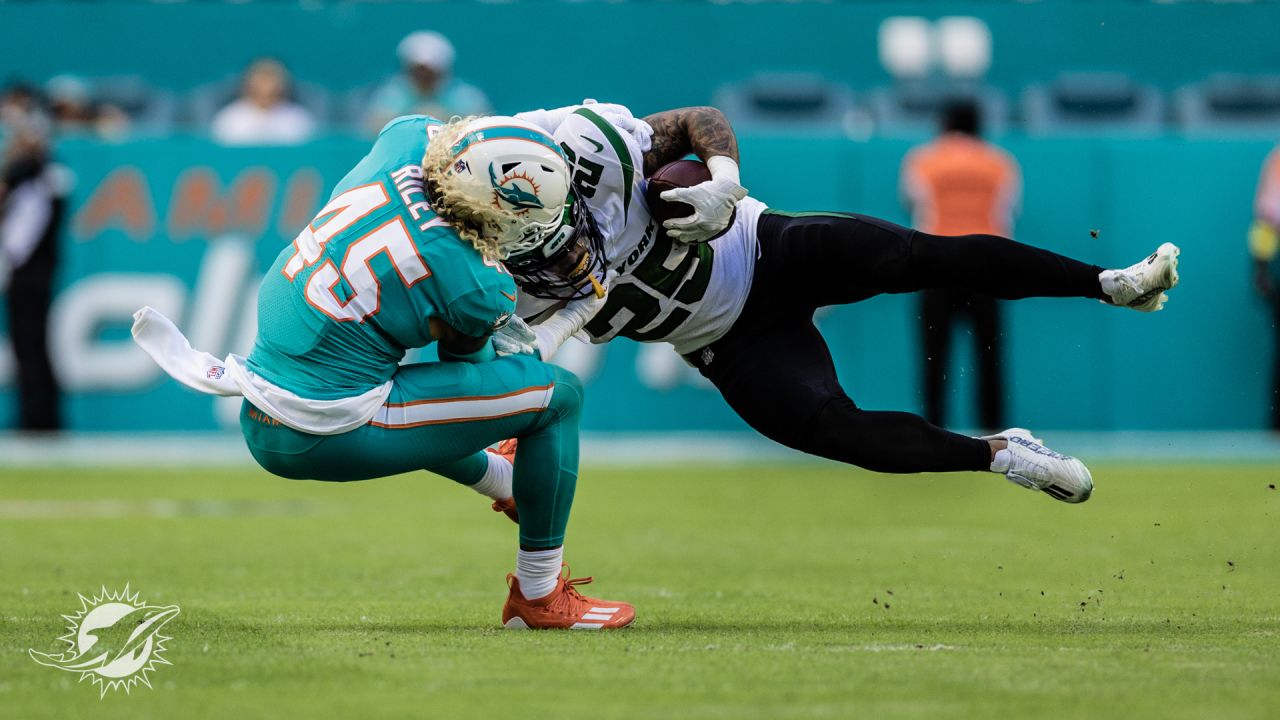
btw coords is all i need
(690, 205)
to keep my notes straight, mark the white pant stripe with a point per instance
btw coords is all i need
(431, 412)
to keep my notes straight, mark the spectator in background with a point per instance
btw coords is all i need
(31, 208)
(263, 114)
(20, 108)
(961, 185)
(426, 85)
(74, 111)
(1264, 242)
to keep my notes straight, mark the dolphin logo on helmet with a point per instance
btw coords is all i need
(511, 192)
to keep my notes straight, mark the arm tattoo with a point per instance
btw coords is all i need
(703, 131)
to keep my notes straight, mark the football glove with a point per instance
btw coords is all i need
(713, 202)
(618, 115)
(515, 338)
(544, 339)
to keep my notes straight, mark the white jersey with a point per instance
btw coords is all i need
(686, 295)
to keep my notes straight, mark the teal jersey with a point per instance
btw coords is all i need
(341, 305)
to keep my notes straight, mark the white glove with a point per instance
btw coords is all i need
(713, 202)
(618, 115)
(621, 118)
(514, 338)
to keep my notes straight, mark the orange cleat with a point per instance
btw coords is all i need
(508, 506)
(564, 609)
(506, 449)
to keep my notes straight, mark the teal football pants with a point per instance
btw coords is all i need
(439, 417)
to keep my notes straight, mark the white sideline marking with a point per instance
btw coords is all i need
(227, 449)
(891, 648)
(159, 508)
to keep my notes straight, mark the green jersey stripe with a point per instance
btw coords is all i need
(619, 147)
(805, 214)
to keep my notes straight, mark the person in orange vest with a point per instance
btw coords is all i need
(1264, 241)
(959, 184)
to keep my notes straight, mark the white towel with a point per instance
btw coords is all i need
(171, 350)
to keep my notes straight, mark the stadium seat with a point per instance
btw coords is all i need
(1227, 103)
(797, 102)
(911, 109)
(353, 107)
(1093, 103)
(152, 110)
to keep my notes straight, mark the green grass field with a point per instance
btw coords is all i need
(772, 592)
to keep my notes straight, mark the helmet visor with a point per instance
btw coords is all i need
(563, 266)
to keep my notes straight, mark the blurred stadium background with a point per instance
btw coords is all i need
(764, 585)
(1142, 121)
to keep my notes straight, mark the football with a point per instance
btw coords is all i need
(678, 174)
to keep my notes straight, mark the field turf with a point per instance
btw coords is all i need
(771, 591)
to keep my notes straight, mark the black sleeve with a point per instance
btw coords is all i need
(21, 170)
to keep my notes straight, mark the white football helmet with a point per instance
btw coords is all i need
(516, 169)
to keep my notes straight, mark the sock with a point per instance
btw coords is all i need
(1109, 281)
(538, 570)
(496, 481)
(1002, 461)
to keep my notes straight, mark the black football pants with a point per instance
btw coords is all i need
(776, 372)
(1275, 364)
(38, 394)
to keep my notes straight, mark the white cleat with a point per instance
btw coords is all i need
(1142, 286)
(1036, 467)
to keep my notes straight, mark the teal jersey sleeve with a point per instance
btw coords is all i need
(479, 307)
(476, 314)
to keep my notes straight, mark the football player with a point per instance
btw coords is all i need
(379, 272)
(734, 286)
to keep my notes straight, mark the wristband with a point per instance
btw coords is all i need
(723, 167)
